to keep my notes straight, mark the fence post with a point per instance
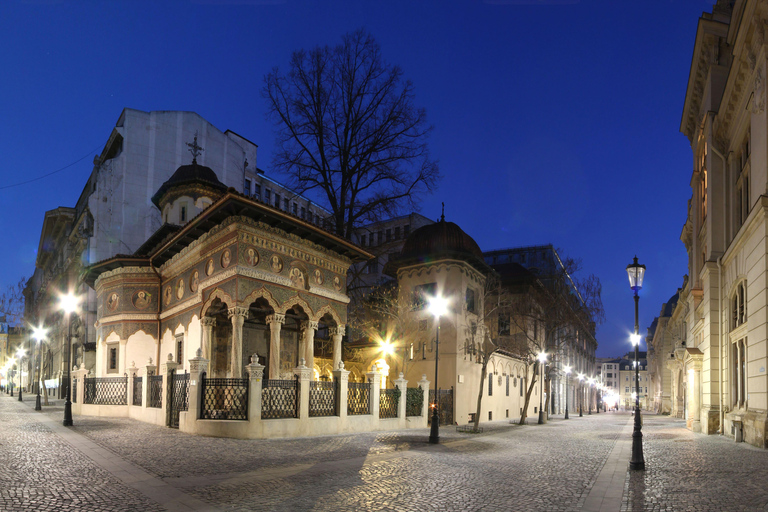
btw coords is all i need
(167, 369)
(402, 385)
(131, 377)
(79, 375)
(255, 376)
(424, 385)
(197, 367)
(149, 369)
(373, 401)
(303, 373)
(341, 376)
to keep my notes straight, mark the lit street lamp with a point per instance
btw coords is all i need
(636, 274)
(39, 334)
(438, 306)
(567, 371)
(542, 359)
(20, 353)
(581, 393)
(68, 303)
(11, 373)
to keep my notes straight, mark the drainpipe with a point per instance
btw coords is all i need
(721, 321)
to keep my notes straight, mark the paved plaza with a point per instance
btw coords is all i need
(114, 464)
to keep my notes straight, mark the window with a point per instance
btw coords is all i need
(362, 240)
(389, 235)
(626, 389)
(503, 325)
(422, 292)
(277, 200)
(304, 213)
(112, 359)
(490, 384)
(180, 349)
(609, 375)
(267, 196)
(739, 305)
(285, 204)
(317, 219)
(379, 237)
(295, 209)
(470, 298)
(410, 352)
(397, 232)
(247, 187)
(521, 386)
(257, 191)
(183, 213)
(372, 267)
(507, 385)
(739, 372)
(406, 230)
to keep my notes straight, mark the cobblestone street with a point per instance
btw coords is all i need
(580, 464)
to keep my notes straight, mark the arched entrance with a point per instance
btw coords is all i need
(256, 333)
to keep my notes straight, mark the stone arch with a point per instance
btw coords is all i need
(296, 300)
(328, 310)
(220, 294)
(261, 293)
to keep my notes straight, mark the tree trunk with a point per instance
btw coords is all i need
(480, 392)
(529, 392)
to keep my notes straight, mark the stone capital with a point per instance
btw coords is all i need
(237, 311)
(255, 370)
(198, 364)
(208, 321)
(337, 331)
(275, 318)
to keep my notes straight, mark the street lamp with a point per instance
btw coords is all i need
(11, 372)
(567, 371)
(39, 334)
(438, 306)
(636, 274)
(542, 359)
(590, 385)
(21, 354)
(68, 303)
(581, 394)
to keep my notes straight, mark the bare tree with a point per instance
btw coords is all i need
(347, 129)
(12, 303)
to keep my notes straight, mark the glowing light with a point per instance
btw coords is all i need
(387, 348)
(69, 303)
(39, 333)
(21, 352)
(567, 370)
(581, 376)
(542, 357)
(438, 306)
(635, 339)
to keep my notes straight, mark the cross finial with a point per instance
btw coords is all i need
(442, 216)
(195, 149)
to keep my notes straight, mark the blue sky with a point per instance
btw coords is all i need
(554, 121)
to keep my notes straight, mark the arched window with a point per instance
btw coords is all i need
(739, 305)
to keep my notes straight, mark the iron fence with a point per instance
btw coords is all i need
(322, 398)
(359, 398)
(224, 399)
(414, 401)
(389, 401)
(74, 391)
(106, 390)
(178, 397)
(138, 386)
(155, 392)
(279, 399)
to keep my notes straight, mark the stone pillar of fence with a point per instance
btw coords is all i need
(198, 365)
(424, 385)
(131, 371)
(375, 379)
(80, 374)
(149, 369)
(402, 385)
(166, 370)
(341, 376)
(303, 373)
(255, 379)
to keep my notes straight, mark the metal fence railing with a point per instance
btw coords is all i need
(74, 390)
(106, 390)
(178, 397)
(322, 398)
(414, 401)
(279, 399)
(138, 386)
(224, 399)
(389, 400)
(155, 391)
(359, 398)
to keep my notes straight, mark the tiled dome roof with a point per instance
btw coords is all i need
(193, 173)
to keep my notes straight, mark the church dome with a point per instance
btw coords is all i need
(438, 241)
(192, 174)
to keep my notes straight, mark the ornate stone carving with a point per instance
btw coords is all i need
(237, 311)
(339, 330)
(758, 97)
(277, 318)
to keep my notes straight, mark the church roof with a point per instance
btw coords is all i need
(192, 174)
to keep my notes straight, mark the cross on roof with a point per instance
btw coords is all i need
(195, 149)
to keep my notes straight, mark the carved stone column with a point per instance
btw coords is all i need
(336, 333)
(309, 329)
(237, 316)
(275, 323)
(208, 324)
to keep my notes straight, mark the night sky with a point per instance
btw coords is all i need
(554, 121)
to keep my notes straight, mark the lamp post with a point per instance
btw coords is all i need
(581, 394)
(68, 304)
(542, 359)
(438, 306)
(39, 334)
(590, 386)
(11, 373)
(21, 354)
(636, 274)
(598, 397)
(567, 371)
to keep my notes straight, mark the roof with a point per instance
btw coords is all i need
(193, 173)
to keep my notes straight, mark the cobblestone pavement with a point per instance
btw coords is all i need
(694, 472)
(550, 467)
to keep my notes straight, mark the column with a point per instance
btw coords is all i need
(336, 333)
(237, 316)
(375, 379)
(131, 371)
(274, 322)
(402, 385)
(302, 372)
(424, 385)
(207, 323)
(341, 376)
(255, 377)
(309, 345)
